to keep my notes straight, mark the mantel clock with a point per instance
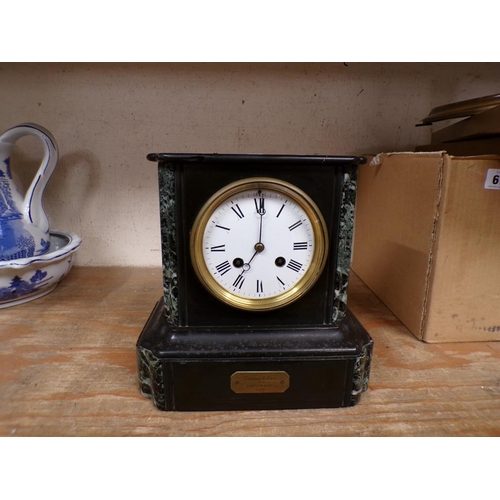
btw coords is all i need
(256, 254)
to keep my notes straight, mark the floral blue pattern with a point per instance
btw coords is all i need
(24, 226)
(19, 287)
(15, 241)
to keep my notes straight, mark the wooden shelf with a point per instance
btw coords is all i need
(68, 368)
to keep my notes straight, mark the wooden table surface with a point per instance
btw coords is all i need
(68, 368)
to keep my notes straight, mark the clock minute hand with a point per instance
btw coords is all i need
(261, 211)
(259, 246)
(260, 228)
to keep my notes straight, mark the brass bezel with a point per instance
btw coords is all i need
(310, 277)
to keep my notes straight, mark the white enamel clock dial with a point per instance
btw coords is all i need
(259, 244)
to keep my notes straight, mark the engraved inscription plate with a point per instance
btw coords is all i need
(260, 382)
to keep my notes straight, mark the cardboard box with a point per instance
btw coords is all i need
(427, 242)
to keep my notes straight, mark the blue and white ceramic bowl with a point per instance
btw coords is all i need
(22, 280)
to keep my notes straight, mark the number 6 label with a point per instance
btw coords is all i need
(492, 179)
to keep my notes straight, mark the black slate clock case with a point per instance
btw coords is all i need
(197, 353)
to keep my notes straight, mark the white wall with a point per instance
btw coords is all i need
(108, 117)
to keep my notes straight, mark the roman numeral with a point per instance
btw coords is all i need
(278, 278)
(281, 210)
(294, 265)
(237, 210)
(259, 207)
(260, 288)
(300, 246)
(223, 267)
(218, 248)
(295, 226)
(238, 282)
(222, 227)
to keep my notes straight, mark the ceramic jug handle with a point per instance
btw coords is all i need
(33, 208)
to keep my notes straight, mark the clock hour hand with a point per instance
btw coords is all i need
(253, 256)
(246, 265)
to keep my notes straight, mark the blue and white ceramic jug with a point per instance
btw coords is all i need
(24, 227)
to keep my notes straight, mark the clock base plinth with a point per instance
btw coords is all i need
(203, 369)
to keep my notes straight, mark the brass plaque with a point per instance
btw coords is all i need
(260, 382)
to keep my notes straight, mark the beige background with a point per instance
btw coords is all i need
(107, 117)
